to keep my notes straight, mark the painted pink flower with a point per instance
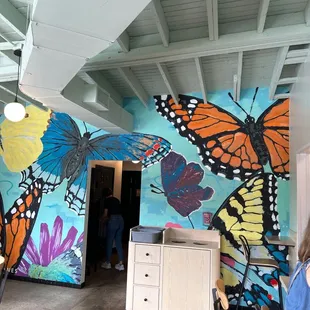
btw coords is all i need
(51, 246)
(173, 225)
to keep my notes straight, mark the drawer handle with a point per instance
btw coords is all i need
(147, 254)
(145, 299)
(146, 275)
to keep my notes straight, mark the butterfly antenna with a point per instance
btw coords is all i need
(254, 97)
(95, 131)
(232, 98)
(85, 127)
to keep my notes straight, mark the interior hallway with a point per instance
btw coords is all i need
(105, 290)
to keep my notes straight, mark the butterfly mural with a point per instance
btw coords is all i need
(251, 211)
(66, 154)
(17, 224)
(228, 146)
(180, 181)
(20, 142)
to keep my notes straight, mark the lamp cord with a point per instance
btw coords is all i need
(17, 79)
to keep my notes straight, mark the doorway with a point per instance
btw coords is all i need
(124, 179)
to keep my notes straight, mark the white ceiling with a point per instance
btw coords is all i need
(252, 42)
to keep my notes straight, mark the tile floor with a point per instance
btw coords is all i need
(106, 290)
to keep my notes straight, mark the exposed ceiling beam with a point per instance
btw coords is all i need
(123, 41)
(135, 84)
(295, 60)
(262, 14)
(99, 79)
(298, 53)
(168, 81)
(239, 75)
(230, 43)
(307, 14)
(212, 13)
(13, 18)
(6, 46)
(277, 71)
(201, 77)
(289, 80)
(161, 22)
(282, 96)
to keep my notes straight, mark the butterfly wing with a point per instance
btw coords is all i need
(19, 222)
(251, 210)
(59, 146)
(275, 124)
(221, 138)
(21, 142)
(148, 149)
(181, 184)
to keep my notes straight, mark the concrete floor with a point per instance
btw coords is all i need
(105, 290)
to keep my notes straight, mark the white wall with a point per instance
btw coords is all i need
(118, 166)
(299, 135)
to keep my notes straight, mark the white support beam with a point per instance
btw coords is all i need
(99, 79)
(277, 70)
(290, 80)
(201, 77)
(298, 53)
(235, 86)
(123, 42)
(262, 14)
(282, 96)
(215, 19)
(135, 84)
(212, 13)
(168, 81)
(230, 43)
(239, 76)
(12, 17)
(295, 60)
(6, 46)
(8, 73)
(307, 14)
(161, 22)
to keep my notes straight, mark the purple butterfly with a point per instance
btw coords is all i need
(181, 184)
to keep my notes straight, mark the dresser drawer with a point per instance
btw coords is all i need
(147, 254)
(146, 274)
(145, 298)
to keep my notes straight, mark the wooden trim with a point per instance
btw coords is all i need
(262, 14)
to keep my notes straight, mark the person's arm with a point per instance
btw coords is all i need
(308, 276)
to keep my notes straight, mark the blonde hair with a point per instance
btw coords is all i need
(304, 249)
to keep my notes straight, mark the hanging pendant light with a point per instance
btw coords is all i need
(15, 111)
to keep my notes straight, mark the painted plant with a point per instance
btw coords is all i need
(56, 259)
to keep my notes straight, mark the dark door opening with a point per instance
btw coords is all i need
(124, 179)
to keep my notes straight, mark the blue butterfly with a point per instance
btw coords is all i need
(66, 153)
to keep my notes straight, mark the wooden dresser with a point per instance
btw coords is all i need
(176, 274)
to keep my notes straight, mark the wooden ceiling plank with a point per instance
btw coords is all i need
(201, 78)
(123, 42)
(13, 18)
(295, 60)
(288, 80)
(168, 81)
(282, 53)
(262, 14)
(161, 22)
(134, 84)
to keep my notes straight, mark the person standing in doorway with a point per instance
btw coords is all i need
(114, 228)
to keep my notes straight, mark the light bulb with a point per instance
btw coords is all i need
(135, 161)
(14, 111)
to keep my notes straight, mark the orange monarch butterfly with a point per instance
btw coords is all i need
(17, 224)
(227, 146)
